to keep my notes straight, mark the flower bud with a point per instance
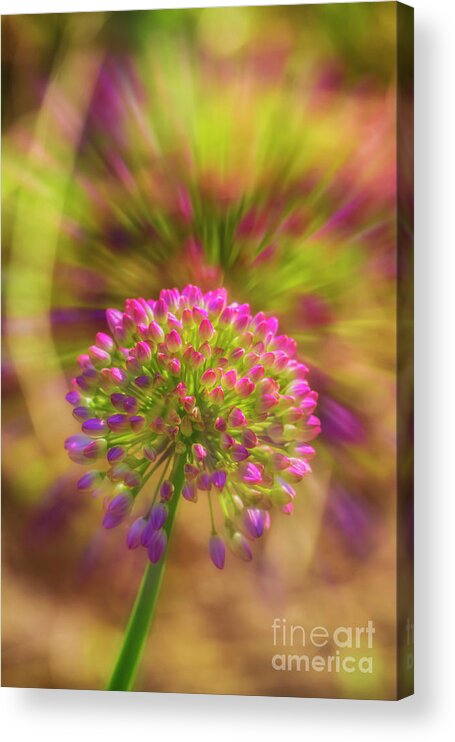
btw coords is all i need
(217, 551)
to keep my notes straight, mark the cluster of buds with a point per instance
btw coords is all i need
(189, 375)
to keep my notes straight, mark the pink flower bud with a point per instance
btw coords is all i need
(206, 330)
(236, 418)
(199, 452)
(208, 378)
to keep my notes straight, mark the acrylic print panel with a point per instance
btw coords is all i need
(203, 395)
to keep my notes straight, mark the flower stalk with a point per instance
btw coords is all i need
(141, 617)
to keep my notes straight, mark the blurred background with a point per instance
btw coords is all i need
(252, 148)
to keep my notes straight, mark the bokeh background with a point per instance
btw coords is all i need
(247, 147)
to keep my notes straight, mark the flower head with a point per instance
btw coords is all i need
(189, 375)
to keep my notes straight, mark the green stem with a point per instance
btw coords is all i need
(141, 617)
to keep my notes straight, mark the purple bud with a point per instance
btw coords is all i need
(94, 427)
(204, 482)
(73, 397)
(75, 445)
(217, 551)
(253, 520)
(189, 492)
(89, 481)
(118, 422)
(166, 490)
(117, 510)
(143, 381)
(219, 479)
(190, 471)
(133, 538)
(241, 547)
(158, 516)
(157, 545)
(239, 453)
(81, 413)
(115, 454)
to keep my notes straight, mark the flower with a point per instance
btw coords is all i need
(191, 376)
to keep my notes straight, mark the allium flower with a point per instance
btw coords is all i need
(191, 376)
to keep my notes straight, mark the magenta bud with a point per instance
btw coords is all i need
(94, 427)
(206, 330)
(249, 438)
(230, 378)
(96, 449)
(251, 474)
(219, 479)
(99, 356)
(118, 377)
(244, 387)
(217, 551)
(236, 418)
(220, 424)
(113, 318)
(134, 535)
(166, 490)
(199, 452)
(173, 341)
(208, 378)
(256, 373)
(160, 310)
(280, 461)
(155, 332)
(157, 545)
(158, 515)
(174, 367)
(143, 352)
(241, 322)
(104, 341)
(217, 395)
(226, 441)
